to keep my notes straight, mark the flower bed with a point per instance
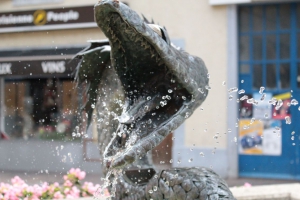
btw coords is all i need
(72, 188)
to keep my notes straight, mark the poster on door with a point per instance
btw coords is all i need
(282, 108)
(263, 110)
(260, 137)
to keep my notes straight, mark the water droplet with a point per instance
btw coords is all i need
(263, 97)
(242, 81)
(288, 120)
(232, 90)
(201, 154)
(208, 87)
(172, 81)
(261, 90)
(170, 91)
(266, 116)
(191, 160)
(208, 76)
(154, 188)
(93, 106)
(241, 92)
(252, 120)
(293, 137)
(294, 102)
(173, 138)
(230, 97)
(293, 133)
(244, 98)
(235, 139)
(279, 104)
(171, 161)
(250, 101)
(273, 101)
(148, 98)
(200, 90)
(167, 182)
(224, 83)
(179, 161)
(184, 98)
(150, 191)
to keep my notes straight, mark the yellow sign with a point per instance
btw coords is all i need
(40, 17)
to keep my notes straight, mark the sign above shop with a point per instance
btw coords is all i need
(48, 19)
(26, 2)
(38, 68)
(226, 2)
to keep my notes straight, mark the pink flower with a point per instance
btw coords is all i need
(247, 185)
(81, 175)
(68, 183)
(75, 192)
(67, 191)
(58, 195)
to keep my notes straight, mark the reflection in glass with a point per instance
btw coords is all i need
(244, 48)
(298, 45)
(257, 47)
(285, 75)
(257, 76)
(271, 18)
(40, 108)
(285, 16)
(298, 76)
(271, 76)
(244, 19)
(271, 47)
(298, 15)
(284, 46)
(257, 18)
(244, 69)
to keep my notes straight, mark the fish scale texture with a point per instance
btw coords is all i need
(177, 184)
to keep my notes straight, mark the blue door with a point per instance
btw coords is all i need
(269, 71)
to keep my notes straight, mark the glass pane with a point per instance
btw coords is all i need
(271, 47)
(298, 46)
(284, 46)
(257, 47)
(244, 48)
(285, 75)
(298, 76)
(40, 108)
(244, 18)
(298, 15)
(271, 76)
(257, 76)
(244, 69)
(257, 18)
(270, 18)
(285, 16)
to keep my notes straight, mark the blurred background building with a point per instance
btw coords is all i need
(240, 130)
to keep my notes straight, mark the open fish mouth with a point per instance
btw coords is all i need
(151, 71)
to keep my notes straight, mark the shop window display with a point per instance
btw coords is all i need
(40, 108)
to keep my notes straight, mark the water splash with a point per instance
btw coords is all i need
(261, 90)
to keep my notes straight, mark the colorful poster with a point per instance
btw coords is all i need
(245, 108)
(263, 110)
(272, 138)
(250, 136)
(282, 107)
(260, 137)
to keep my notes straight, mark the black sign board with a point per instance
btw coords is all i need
(48, 19)
(38, 68)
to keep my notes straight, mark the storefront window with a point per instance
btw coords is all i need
(43, 108)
